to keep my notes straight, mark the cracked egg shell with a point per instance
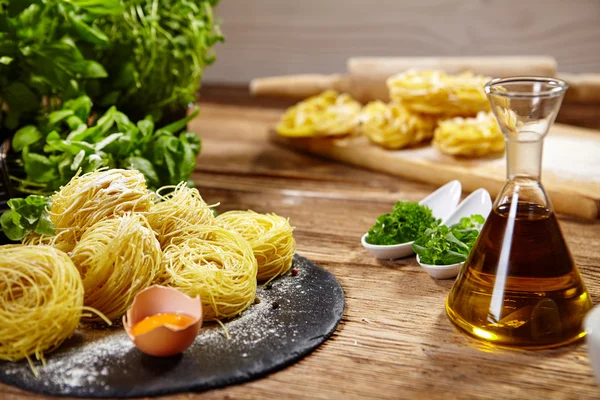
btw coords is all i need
(163, 340)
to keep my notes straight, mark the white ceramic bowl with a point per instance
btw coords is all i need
(591, 324)
(442, 203)
(478, 202)
(441, 271)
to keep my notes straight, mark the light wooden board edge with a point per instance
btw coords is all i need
(565, 201)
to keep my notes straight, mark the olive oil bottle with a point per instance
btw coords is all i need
(520, 286)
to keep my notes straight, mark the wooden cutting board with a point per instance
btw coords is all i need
(570, 172)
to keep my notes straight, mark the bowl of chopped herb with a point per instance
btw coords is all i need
(443, 249)
(393, 234)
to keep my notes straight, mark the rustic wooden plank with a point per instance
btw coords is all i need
(569, 180)
(584, 115)
(395, 340)
(273, 37)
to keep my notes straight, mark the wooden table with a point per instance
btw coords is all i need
(395, 340)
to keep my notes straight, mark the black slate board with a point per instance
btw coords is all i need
(264, 338)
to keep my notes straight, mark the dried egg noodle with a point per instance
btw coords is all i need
(327, 114)
(270, 237)
(393, 126)
(117, 258)
(91, 197)
(507, 118)
(41, 301)
(437, 93)
(173, 212)
(35, 239)
(469, 136)
(216, 264)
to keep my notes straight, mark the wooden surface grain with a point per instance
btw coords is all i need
(570, 165)
(274, 37)
(395, 340)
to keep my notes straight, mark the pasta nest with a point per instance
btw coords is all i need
(173, 213)
(270, 236)
(436, 93)
(117, 258)
(92, 197)
(327, 114)
(41, 296)
(216, 264)
(393, 126)
(469, 136)
(507, 118)
(35, 239)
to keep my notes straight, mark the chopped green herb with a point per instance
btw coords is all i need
(405, 223)
(443, 245)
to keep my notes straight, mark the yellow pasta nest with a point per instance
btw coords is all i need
(172, 213)
(90, 198)
(393, 126)
(35, 239)
(469, 136)
(437, 93)
(117, 258)
(216, 264)
(327, 114)
(270, 236)
(41, 301)
(507, 118)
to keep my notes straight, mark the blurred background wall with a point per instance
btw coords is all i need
(276, 37)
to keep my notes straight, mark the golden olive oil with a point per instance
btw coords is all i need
(520, 286)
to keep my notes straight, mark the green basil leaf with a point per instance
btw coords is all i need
(86, 32)
(39, 168)
(57, 116)
(100, 7)
(108, 140)
(44, 225)
(81, 106)
(179, 125)
(26, 136)
(12, 230)
(14, 7)
(91, 69)
(77, 160)
(452, 257)
(191, 148)
(146, 168)
(75, 122)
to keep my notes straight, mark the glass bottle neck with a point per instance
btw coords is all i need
(524, 158)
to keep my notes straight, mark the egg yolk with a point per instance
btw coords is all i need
(154, 321)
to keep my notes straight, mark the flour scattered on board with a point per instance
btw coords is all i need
(565, 159)
(573, 159)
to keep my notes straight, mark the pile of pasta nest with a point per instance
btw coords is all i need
(115, 238)
(451, 111)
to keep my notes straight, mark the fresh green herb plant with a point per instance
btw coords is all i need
(443, 245)
(41, 57)
(405, 223)
(63, 143)
(157, 54)
(27, 215)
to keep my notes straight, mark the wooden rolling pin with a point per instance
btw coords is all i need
(366, 77)
(583, 88)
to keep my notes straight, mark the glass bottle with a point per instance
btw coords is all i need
(520, 286)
